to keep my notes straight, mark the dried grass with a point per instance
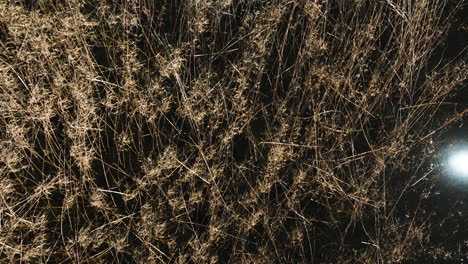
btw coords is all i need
(223, 131)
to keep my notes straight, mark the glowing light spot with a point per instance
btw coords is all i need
(458, 163)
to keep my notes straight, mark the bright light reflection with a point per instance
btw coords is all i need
(458, 163)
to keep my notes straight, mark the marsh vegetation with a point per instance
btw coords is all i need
(231, 131)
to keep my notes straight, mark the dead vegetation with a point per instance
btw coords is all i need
(228, 131)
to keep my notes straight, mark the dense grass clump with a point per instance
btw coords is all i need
(231, 131)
